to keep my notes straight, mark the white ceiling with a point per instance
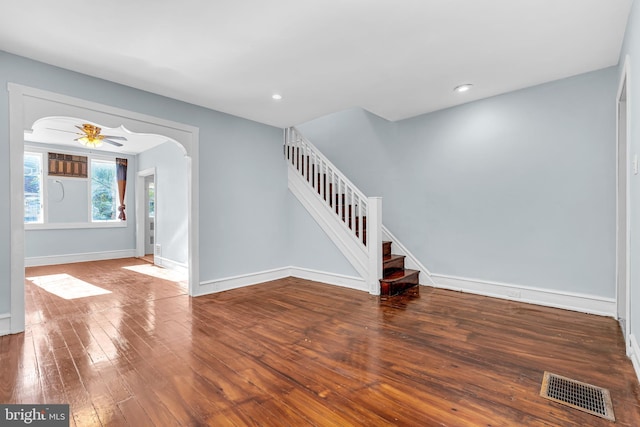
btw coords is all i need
(64, 131)
(394, 58)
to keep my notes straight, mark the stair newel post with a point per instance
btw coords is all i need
(374, 243)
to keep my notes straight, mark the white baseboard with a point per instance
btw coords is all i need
(84, 257)
(350, 282)
(5, 324)
(170, 264)
(234, 282)
(567, 300)
(635, 354)
(227, 283)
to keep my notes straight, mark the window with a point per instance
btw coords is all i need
(104, 191)
(68, 190)
(33, 212)
(152, 200)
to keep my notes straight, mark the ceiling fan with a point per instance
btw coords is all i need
(91, 136)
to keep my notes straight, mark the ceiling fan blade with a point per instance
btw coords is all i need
(62, 130)
(119, 138)
(117, 144)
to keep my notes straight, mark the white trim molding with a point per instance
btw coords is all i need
(250, 279)
(350, 282)
(624, 92)
(169, 264)
(240, 281)
(5, 324)
(26, 105)
(634, 354)
(74, 225)
(546, 297)
(82, 257)
(140, 207)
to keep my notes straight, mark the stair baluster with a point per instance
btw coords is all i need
(359, 215)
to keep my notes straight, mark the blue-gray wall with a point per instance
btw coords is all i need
(631, 47)
(171, 183)
(242, 177)
(74, 208)
(518, 188)
(309, 245)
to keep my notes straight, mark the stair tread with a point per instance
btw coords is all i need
(399, 275)
(392, 257)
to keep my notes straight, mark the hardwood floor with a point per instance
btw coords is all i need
(295, 352)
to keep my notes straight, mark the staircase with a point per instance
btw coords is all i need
(395, 278)
(351, 219)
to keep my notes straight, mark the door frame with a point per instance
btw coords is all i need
(623, 91)
(27, 104)
(140, 207)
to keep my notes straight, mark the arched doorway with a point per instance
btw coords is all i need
(29, 104)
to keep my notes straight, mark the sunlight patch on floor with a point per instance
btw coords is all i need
(159, 272)
(67, 287)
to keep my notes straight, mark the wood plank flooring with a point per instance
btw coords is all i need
(294, 352)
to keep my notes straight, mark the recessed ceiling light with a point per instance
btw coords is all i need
(462, 88)
(276, 96)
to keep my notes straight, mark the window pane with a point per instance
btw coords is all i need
(32, 188)
(104, 191)
(152, 200)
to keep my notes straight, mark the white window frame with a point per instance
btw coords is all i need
(46, 225)
(103, 159)
(42, 184)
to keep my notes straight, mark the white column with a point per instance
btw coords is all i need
(374, 243)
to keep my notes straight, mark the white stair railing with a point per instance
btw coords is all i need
(360, 216)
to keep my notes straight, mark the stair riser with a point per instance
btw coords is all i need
(394, 287)
(395, 264)
(410, 279)
(386, 249)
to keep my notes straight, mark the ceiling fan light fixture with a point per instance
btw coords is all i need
(90, 142)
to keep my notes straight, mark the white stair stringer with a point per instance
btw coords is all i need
(330, 223)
